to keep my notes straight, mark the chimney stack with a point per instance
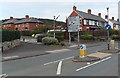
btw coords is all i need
(27, 16)
(11, 18)
(89, 11)
(74, 8)
(106, 16)
(112, 18)
(99, 14)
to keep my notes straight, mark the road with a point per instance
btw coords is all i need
(61, 64)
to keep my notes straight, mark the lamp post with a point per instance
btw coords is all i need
(55, 23)
(108, 30)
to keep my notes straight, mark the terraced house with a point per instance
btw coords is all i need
(22, 24)
(87, 20)
(114, 24)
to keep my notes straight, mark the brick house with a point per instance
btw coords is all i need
(88, 21)
(22, 23)
(9, 24)
(28, 23)
(114, 24)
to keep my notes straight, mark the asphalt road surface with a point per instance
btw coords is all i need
(61, 64)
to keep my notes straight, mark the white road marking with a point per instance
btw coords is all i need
(88, 63)
(93, 64)
(3, 76)
(59, 60)
(56, 51)
(59, 68)
(10, 57)
(73, 46)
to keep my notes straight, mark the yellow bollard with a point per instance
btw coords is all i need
(83, 50)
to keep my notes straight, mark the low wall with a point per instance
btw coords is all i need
(10, 44)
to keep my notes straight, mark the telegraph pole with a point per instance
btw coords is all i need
(55, 24)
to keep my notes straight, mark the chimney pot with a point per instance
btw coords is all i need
(112, 18)
(11, 18)
(89, 11)
(106, 16)
(74, 8)
(118, 20)
(99, 14)
(27, 16)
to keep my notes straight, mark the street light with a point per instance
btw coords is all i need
(108, 30)
(54, 23)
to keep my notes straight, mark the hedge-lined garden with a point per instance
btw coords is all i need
(9, 35)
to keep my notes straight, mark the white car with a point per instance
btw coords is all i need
(36, 36)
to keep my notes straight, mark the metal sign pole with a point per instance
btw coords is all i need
(108, 30)
(108, 41)
(69, 38)
(78, 37)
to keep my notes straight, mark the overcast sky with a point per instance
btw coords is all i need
(50, 8)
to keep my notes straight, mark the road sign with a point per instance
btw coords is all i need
(107, 27)
(81, 47)
(82, 50)
(73, 24)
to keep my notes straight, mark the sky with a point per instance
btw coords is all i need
(50, 8)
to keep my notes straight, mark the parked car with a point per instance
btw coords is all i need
(37, 35)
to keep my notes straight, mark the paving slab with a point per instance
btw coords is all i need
(100, 55)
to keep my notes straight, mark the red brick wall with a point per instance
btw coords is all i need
(73, 14)
(8, 26)
(27, 26)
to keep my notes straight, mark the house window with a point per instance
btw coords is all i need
(114, 26)
(23, 25)
(95, 23)
(90, 22)
(87, 22)
(26, 24)
(84, 22)
(19, 25)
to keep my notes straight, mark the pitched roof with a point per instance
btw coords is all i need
(115, 22)
(90, 16)
(10, 21)
(29, 20)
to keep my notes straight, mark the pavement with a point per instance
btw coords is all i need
(61, 64)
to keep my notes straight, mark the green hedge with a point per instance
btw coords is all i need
(115, 37)
(9, 35)
(29, 33)
(87, 37)
(58, 34)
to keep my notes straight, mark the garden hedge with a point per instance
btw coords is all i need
(9, 35)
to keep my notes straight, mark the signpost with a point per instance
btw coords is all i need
(108, 27)
(82, 50)
(73, 26)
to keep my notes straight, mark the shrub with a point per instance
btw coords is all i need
(116, 37)
(49, 40)
(62, 43)
(58, 34)
(9, 35)
(87, 37)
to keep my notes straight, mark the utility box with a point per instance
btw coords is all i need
(112, 44)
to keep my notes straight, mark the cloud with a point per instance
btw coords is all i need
(59, 1)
